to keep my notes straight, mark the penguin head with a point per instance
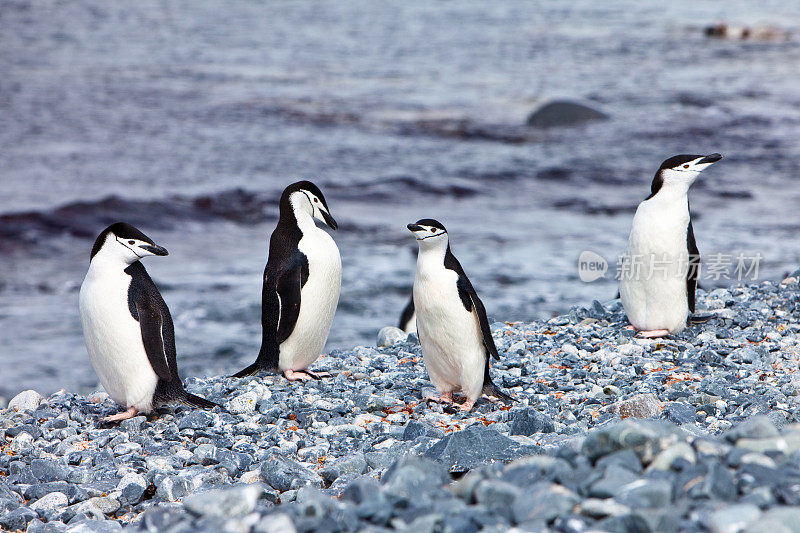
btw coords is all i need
(124, 243)
(305, 197)
(681, 170)
(429, 233)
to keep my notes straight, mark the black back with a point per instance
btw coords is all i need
(121, 230)
(694, 265)
(470, 300)
(408, 312)
(285, 275)
(158, 333)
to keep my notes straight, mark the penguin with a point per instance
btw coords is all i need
(408, 318)
(451, 320)
(661, 265)
(127, 325)
(301, 286)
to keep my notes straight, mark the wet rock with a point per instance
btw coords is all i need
(563, 113)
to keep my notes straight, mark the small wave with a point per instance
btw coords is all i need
(84, 219)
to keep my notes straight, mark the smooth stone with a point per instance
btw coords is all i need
(475, 445)
(232, 502)
(638, 406)
(275, 523)
(17, 519)
(27, 400)
(563, 113)
(530, 421)
(543, 501)
(756, 427)
(354, 464)
(776, 520)
(243, 403)
(645, 437)
(412, 475)
(732, 519)
(284, 474)
(665, 459)
(50, 502)
(646, 493)
(389, 336)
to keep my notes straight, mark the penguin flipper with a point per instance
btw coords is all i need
(155, 323)
(693, 267)
(471, 302)
(408, 312)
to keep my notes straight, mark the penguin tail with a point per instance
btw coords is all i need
(251, 370)
(699, 319)
(490, 389)
(197, 401)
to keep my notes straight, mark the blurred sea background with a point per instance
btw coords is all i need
(188, 118)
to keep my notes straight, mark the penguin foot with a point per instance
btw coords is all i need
(447, 397)
(304, 375)
(466, 406)
(124, 415)
(298, 375)
(630, 328)
(654, 334)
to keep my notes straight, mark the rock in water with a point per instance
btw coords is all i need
(563, 113)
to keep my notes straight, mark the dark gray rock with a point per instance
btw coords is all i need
(45, 470)
(17, 519)
(645, 437)
(476, 445)
(543, 502)
(529, 421)
(354, 464)
(412, 475)
(563, 113)
(284, 474)
(757, 427)
(196, 420)
(646, 493)
(497, 496)
(630, 523)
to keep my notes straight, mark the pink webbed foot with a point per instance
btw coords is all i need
(466, 406)
(654, 334)
(446, 397)
(630, 328)
(124, 415)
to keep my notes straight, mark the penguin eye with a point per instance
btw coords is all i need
(685, 166)
(433, 230)
(131, 242)
(316, 200)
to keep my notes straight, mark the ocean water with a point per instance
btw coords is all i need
(187, 119)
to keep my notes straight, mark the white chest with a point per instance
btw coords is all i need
(113, 339)
(319, 298)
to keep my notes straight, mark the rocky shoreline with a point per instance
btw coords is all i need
(698, 432)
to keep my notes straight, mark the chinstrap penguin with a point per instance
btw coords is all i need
(661, 265)
(452, 326)
(301, 286)
(127, 326)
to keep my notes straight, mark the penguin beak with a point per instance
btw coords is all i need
(154, 249)
(414, 227)
(329, 220)
(711, 158)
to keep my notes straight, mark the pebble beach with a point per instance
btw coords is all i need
(696, 432)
